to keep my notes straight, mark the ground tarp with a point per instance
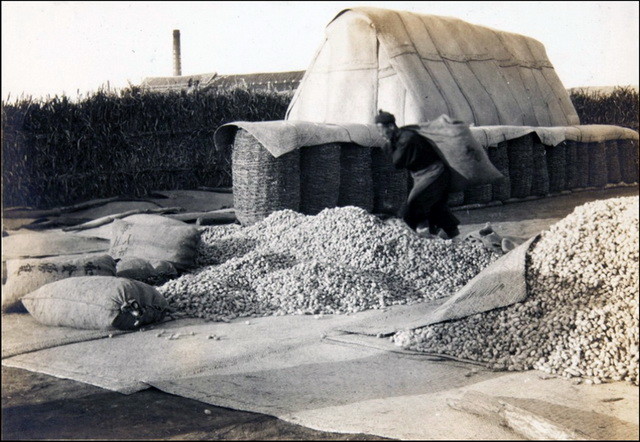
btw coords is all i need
(501, 284)
(23, 334)
(282, 366)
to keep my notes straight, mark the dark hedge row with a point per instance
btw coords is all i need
(58, 152)
(620, 107)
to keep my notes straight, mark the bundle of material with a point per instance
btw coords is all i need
(27, 275)
(340, 261)
(155, 238)
(571, 162)
(540, 179)
(320, 177)
(96, 303)
(520, 153)
(580, 318)
(149, 271)
(614, 175)
(456, 145)
(628, 156)
(556, 167)
(501, 191)
(356, 181)
(263, 184)
(390, 185)
(598, 175)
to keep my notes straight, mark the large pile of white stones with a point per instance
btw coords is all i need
(581, 315)
(342, 260)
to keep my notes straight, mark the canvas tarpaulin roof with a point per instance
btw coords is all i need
(421, 66)
(280, 137)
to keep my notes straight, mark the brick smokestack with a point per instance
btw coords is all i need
(177, 68)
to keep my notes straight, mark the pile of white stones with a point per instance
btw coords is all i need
(340, 261)
(581, 315)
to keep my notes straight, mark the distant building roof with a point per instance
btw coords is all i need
(280, 81)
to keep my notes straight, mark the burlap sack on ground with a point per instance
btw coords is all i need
(155, 238)
(27, 275)
(50, 243)
(96, 303)
(153, 272)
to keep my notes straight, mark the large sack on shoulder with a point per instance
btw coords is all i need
(27, 275)
(470, 165)
(154, 237)
(153, 272)
(96, 303)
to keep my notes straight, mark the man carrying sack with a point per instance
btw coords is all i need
(427, 200)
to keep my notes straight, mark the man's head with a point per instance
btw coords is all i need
(386, 124)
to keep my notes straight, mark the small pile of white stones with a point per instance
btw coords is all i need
(581, 315)
(343, 260)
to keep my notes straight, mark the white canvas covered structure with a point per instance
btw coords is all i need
(421, 66)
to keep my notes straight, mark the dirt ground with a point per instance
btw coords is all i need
(37, 406)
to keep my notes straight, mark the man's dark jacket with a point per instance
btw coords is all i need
(427, 200)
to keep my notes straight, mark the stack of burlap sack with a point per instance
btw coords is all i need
(107, 289)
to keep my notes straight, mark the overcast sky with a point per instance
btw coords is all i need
(63, 47)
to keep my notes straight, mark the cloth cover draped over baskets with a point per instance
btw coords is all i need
(287, 149)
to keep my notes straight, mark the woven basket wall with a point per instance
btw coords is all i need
(263, 184)
(598, 175)
(636, 160)
(520, 156)
(614, 174)
(571, 162)
(498, 155)
(557, 167)
(390, 185)
(582, 164)
(628, 156)
(478, 195)
(319, 177)
(356, 180)
(455, 199)
(540, 182)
